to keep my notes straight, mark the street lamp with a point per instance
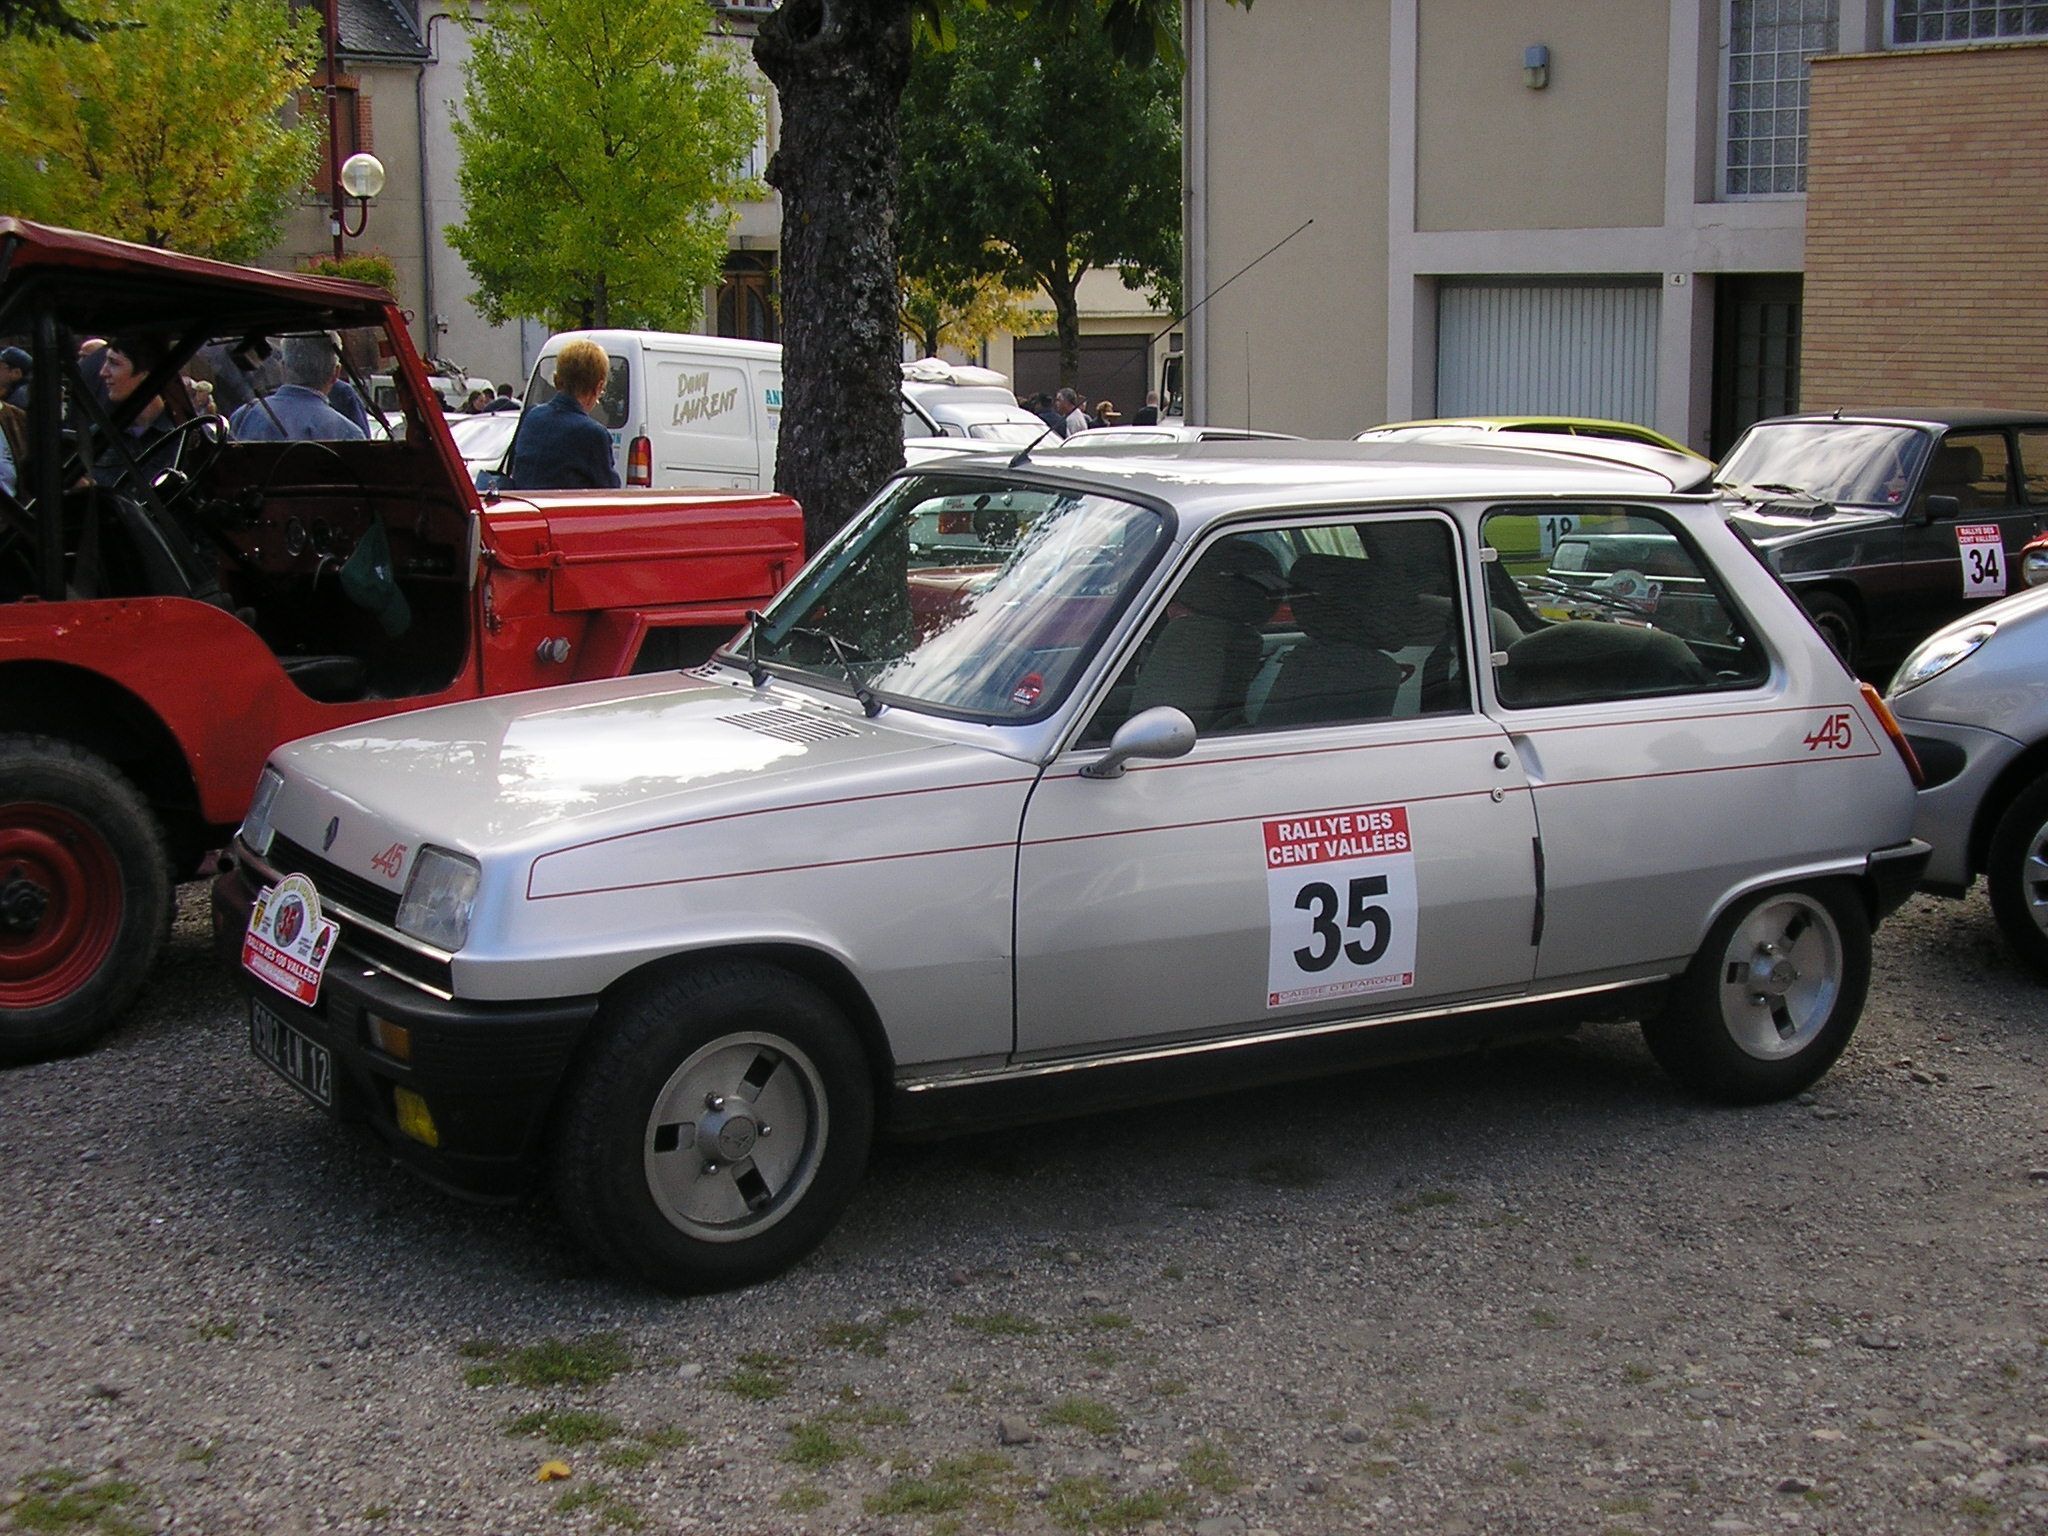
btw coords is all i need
(362, 178)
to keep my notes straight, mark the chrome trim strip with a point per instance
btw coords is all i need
(403, 941)
(1213, 1046)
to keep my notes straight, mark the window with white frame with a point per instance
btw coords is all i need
(1769, 45)
(1916, 23)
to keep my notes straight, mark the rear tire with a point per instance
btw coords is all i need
(85, 896)
(715, 1127)
(1771, 998)
(2016, 870)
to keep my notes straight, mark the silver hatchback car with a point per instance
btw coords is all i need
(1054, 782)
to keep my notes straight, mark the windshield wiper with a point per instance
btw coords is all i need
(1771, 490)
(845, 655)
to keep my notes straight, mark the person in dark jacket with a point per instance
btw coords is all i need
(560, 445)
(504, 400)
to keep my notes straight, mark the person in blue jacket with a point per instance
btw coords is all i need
(560, 445)
(297, 410)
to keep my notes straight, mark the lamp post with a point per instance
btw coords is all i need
(361, 176)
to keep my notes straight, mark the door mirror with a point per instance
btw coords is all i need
(1160, 732)
(1934, 509)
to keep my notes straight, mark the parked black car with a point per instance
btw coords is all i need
(1890, 523)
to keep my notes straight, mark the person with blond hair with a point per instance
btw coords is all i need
(560, 445)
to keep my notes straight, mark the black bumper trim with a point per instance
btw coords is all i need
(1893, 874)
(489, 1072)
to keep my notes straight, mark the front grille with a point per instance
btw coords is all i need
(361, 896)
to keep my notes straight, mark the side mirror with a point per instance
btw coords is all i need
(1160, 732)
(1935, 509)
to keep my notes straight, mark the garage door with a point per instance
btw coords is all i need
(1113, 367)
(1561, 348)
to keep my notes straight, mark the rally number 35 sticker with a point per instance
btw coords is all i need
(1341, 892)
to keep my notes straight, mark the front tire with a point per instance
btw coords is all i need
(1771, 998)
(85, 896)
(2016, 869)
(715, 1128)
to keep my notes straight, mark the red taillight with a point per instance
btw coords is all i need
(640, 462)
(1879, 708)
(956, 522)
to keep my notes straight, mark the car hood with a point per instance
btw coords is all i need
(1997, 687)
(1771, 523)
(527, 773)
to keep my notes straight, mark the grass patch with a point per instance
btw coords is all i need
(1000, 1325)
(586, 1362)
(1977, 1507)
(625, 1458)
(1517, 1468)
(224, 1330)
(1634, 1504)
(611, 1509)
(1209, 1466)
(1090, 1504)
(953, 1483)
(1101, 1357)
(1427, 1200)
(1524, 1399)
(1543, 1317)
(902, 1317)
(812, 1444)
(376, 1511)
(1415, 1411)
(1170, 1386)
(868, 1415)
(802, 1499)
(58, 1499)
(1637, 1375)
(667, 1437)
(861, 1338)
(199, 1454)
(566, 1426)
(1173, 1272)
(1098, 1418)
(1287, 1170)
(1109, 1319)
(760, 1376)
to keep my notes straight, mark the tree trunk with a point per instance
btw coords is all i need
(1064, 293)
(840, 67)
(600, 305)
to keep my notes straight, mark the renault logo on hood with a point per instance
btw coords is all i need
(333, 831)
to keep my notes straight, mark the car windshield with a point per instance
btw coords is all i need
(969, 595)
(1845, 462)
(1019, 432)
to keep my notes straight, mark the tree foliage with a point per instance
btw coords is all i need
(170, 128)
(950, 307)
(1033, 150)
(373, 267)
(603, 152)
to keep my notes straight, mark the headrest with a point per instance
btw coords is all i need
(1956, 464)
(1343, 600)
(1237, 580)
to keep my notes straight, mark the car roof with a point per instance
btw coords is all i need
(711, 346)
(1920, 416)
(140, 285)
(1205, 481)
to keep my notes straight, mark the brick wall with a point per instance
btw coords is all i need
(1927, 230)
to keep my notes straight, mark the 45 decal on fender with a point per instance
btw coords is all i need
(1835, 732)
(1340, 889)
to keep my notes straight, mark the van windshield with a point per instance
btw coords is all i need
(614, 406)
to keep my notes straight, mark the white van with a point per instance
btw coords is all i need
(689, 410)
(682, 410)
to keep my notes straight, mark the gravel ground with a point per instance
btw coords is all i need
(1534, 1291)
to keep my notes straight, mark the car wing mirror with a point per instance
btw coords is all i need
(1160, 732)
(1935, 509)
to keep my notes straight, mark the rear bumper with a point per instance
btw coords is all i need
(488, 1073)
(1892, 875)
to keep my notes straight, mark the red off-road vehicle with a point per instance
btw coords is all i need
(186, 581)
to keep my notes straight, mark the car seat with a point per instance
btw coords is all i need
(1349, 615)
(1208, 651)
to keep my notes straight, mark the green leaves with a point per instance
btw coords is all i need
(603, 154)
(170, 128)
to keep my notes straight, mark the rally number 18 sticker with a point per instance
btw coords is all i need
(1341, 892)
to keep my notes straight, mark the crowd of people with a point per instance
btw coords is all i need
(1066, 412)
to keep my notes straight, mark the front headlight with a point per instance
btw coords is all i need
(2035, 567)
(1933, 657)
(439, 898)
(255, 830)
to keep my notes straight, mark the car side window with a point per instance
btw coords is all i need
(1317, 624)
(1974, 468)
(2034, 463)
(1592, 602)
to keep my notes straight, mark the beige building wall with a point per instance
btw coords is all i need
(1586, 151)
(1927, 240)
(1294, 129)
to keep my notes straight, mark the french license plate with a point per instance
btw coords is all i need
(307, 1065)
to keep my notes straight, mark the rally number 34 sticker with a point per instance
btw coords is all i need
(1341, 892)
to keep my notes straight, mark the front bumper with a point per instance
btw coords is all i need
(488, 1072)
(1964, 762)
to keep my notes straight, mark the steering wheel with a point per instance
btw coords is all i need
(194, 444)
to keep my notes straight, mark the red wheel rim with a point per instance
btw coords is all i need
(60, 903)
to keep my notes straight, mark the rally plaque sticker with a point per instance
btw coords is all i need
(288, 942)
(1340, 887)
(1979, 547)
